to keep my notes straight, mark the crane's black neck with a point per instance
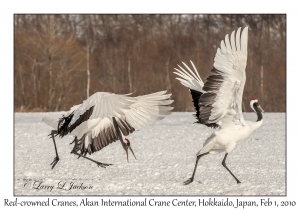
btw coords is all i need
(258, 112)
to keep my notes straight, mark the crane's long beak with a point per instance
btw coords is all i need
(127, 152)
(261, 109)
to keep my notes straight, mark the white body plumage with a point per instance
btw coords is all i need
(225, 139)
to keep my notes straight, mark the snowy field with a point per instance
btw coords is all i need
(165, 159)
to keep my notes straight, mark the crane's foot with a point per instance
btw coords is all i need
(190, 180)
(99, 164)
(55, 161)
(238, 181)
(53, 133)
(103, 165)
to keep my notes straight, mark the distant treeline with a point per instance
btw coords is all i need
(60, 60)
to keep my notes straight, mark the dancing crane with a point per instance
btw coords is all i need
(104, 118)
(218, 101)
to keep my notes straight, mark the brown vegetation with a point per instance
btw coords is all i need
(60, 60)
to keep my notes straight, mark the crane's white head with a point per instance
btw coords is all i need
(255, 105)
(127, 146)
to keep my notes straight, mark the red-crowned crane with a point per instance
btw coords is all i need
(218, 102)
(104, 118)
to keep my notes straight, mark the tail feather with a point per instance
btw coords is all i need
(51, 122)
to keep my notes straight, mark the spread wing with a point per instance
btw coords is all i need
(222, 93)
(224, 88)
(111, 117)
(147, 109)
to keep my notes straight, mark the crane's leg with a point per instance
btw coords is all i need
(73, 151)
(98, 163)
(75, 145)
(56, 159)
(224, 164)
(190, 180)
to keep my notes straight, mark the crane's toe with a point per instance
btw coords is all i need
(190, 180)
(54, 162)
(103, 165)
(53, 133)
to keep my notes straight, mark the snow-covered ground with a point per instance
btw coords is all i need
(166, 154)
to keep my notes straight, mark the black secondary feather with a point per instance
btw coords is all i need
(196, 95)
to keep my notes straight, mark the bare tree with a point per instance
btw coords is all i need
(62, 59)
